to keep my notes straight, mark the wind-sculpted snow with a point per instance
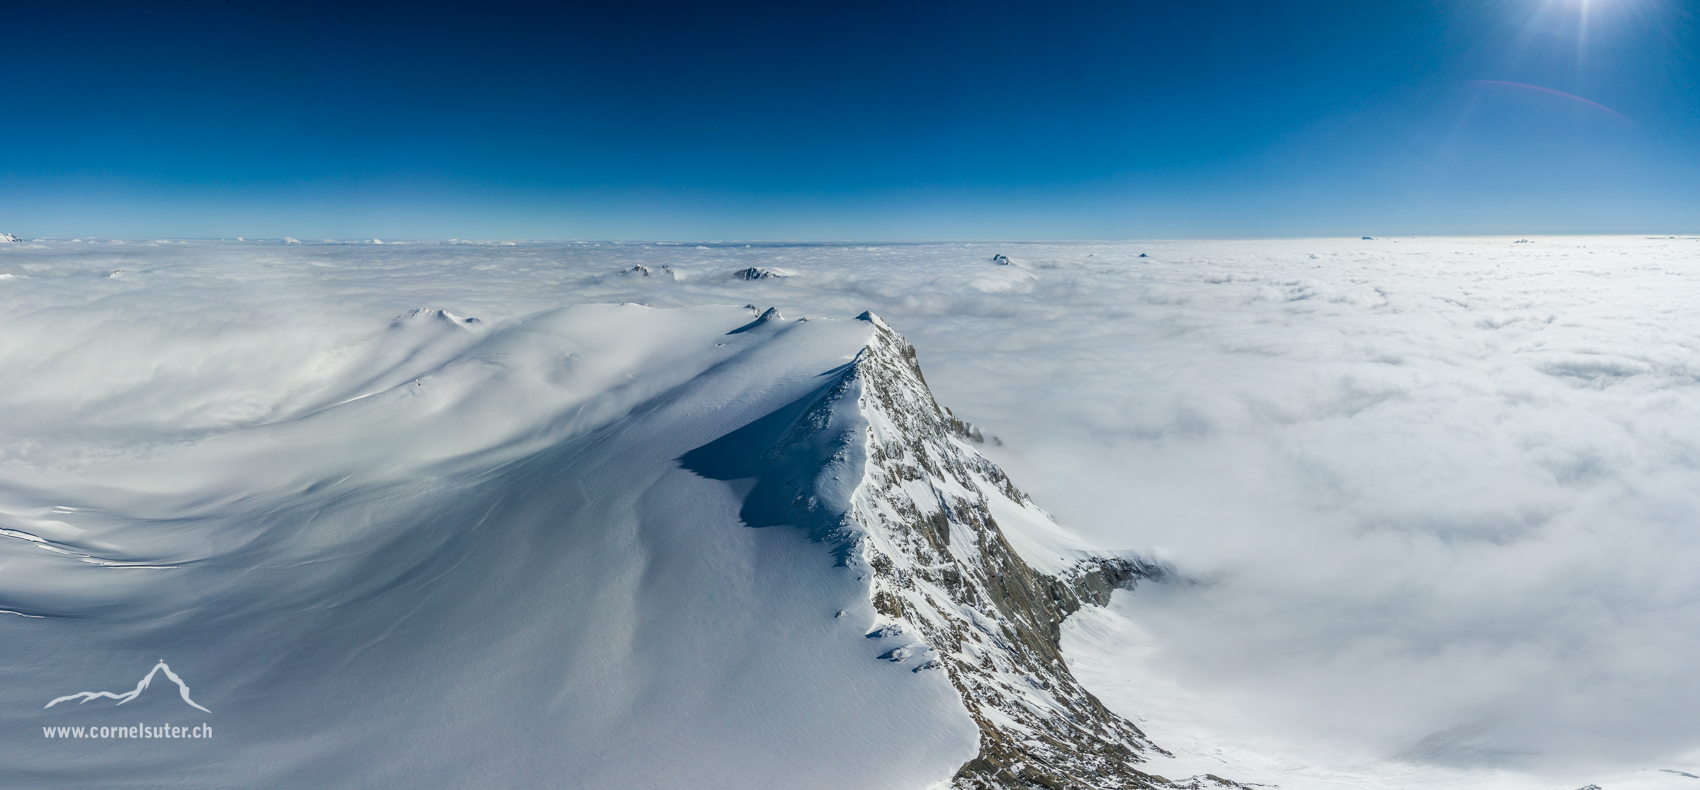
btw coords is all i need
(493, 513)
(473, 561)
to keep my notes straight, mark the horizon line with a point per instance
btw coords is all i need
(402, 240)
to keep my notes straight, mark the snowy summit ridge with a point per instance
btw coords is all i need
(653, 515)
(871, 463)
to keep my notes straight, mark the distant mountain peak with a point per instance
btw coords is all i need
(7, 237)
(868, 316)
(768, 316)
(429, 314)
(760, 273)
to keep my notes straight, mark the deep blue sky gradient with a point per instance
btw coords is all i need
(869, 120)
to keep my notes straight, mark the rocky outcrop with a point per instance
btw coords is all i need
(757, 273)
(872, 464)
(7, 237)
(991, 621)
(644, 271)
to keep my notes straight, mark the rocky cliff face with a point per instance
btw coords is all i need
(943, 569)
(872, 464)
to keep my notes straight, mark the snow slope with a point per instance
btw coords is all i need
(499, 553)
(476, 559)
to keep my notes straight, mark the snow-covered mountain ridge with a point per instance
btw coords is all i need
(752, 544)
(942, 565)
(871, 463)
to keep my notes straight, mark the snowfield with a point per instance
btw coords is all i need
(427, 514)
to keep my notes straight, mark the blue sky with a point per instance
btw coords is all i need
(871, 120)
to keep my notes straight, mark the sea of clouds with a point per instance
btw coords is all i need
(1430, 498)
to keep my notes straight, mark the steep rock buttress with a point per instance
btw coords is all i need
(869, 463)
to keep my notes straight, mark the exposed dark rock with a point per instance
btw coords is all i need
(919, 521)
(771, 314)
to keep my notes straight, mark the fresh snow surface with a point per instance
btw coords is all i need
(472, 555)
(1430, 502)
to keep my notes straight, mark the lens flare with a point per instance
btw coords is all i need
(1550, 92)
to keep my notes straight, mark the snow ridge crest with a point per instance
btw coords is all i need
(920, 519)
(869, 463)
